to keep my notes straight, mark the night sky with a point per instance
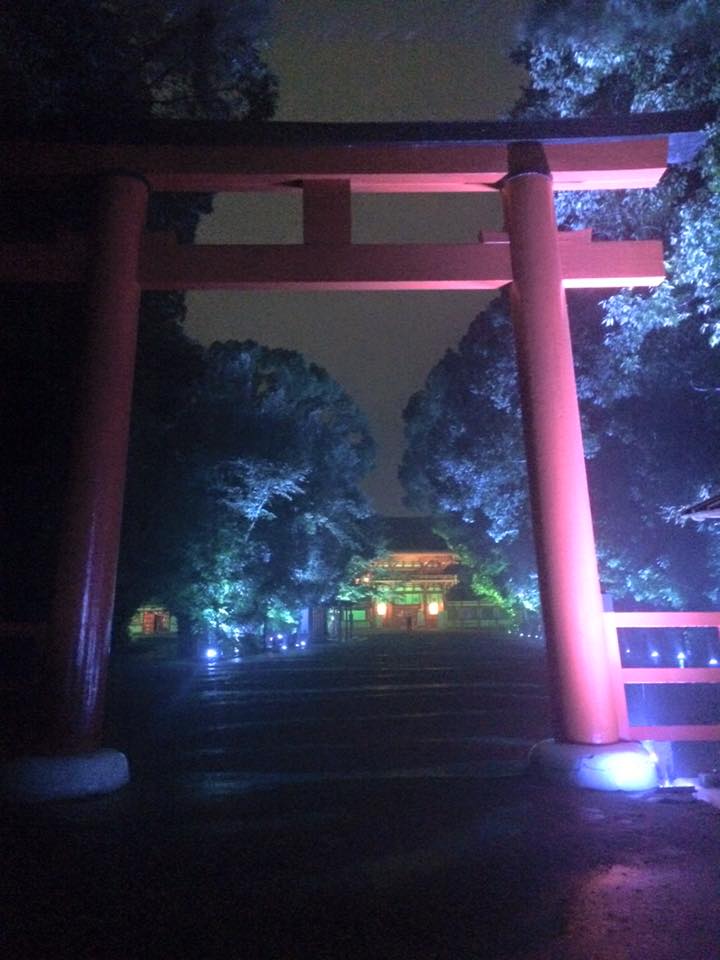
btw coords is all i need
(346, 60)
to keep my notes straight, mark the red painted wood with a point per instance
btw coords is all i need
(167, 265)
(657, 675)
(170, 266)
(616, 678)
(562, 521)
(381, 168)
(670, 675)
(637, 263)
(79, 633)
(327, 212)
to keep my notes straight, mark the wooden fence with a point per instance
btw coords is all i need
(614, 620)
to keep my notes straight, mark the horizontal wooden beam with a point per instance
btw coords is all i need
(167, 265)
(370, 168)
(671, 674)
(664, 618)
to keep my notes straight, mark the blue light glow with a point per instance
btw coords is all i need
(654, 654)
(211, 653)
(630, 771)
(713, 662)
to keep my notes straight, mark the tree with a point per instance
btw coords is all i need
(648, 55)
(161, 493)
(618, 58)
(647, 451)
(464, 463)
(80, 63)
(279, 450)
(646, 363)
(71, 67)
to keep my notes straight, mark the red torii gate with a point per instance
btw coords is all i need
(328, 163)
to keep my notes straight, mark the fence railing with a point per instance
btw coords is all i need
(658, 675)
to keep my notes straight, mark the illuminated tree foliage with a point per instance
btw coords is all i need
(648, 451)
(647, 363)
(279, 449)
(464, 464)
(610, 58)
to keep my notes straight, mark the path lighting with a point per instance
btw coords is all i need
(211, 653)
(433, 608)
(626, 771)
(381, 608)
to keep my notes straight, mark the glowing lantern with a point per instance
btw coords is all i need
(433, 608)
(381, 608)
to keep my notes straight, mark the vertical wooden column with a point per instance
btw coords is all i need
(80, 624)
(562, 521)
(327, 212)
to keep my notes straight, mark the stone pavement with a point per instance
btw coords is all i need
(367, 801)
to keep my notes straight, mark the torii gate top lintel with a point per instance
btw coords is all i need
(179, 155)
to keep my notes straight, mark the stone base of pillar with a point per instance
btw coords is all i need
(626, 766)
(35, 779)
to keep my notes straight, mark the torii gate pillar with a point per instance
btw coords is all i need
(70, 761)
(560, 503)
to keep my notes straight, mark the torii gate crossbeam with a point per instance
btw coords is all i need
(537, 261)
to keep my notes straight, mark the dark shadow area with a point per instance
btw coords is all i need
(361, 801)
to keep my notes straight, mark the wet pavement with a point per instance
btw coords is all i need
(363, 801)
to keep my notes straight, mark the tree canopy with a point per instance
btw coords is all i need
(242, 496)
(279, 450)
(647, 362)
(81, 61)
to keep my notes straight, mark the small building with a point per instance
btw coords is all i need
(409, 588)
(152, 620)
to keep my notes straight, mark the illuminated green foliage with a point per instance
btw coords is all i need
(464, 463)
(279, 449)
(647, 365)
(650, 449)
